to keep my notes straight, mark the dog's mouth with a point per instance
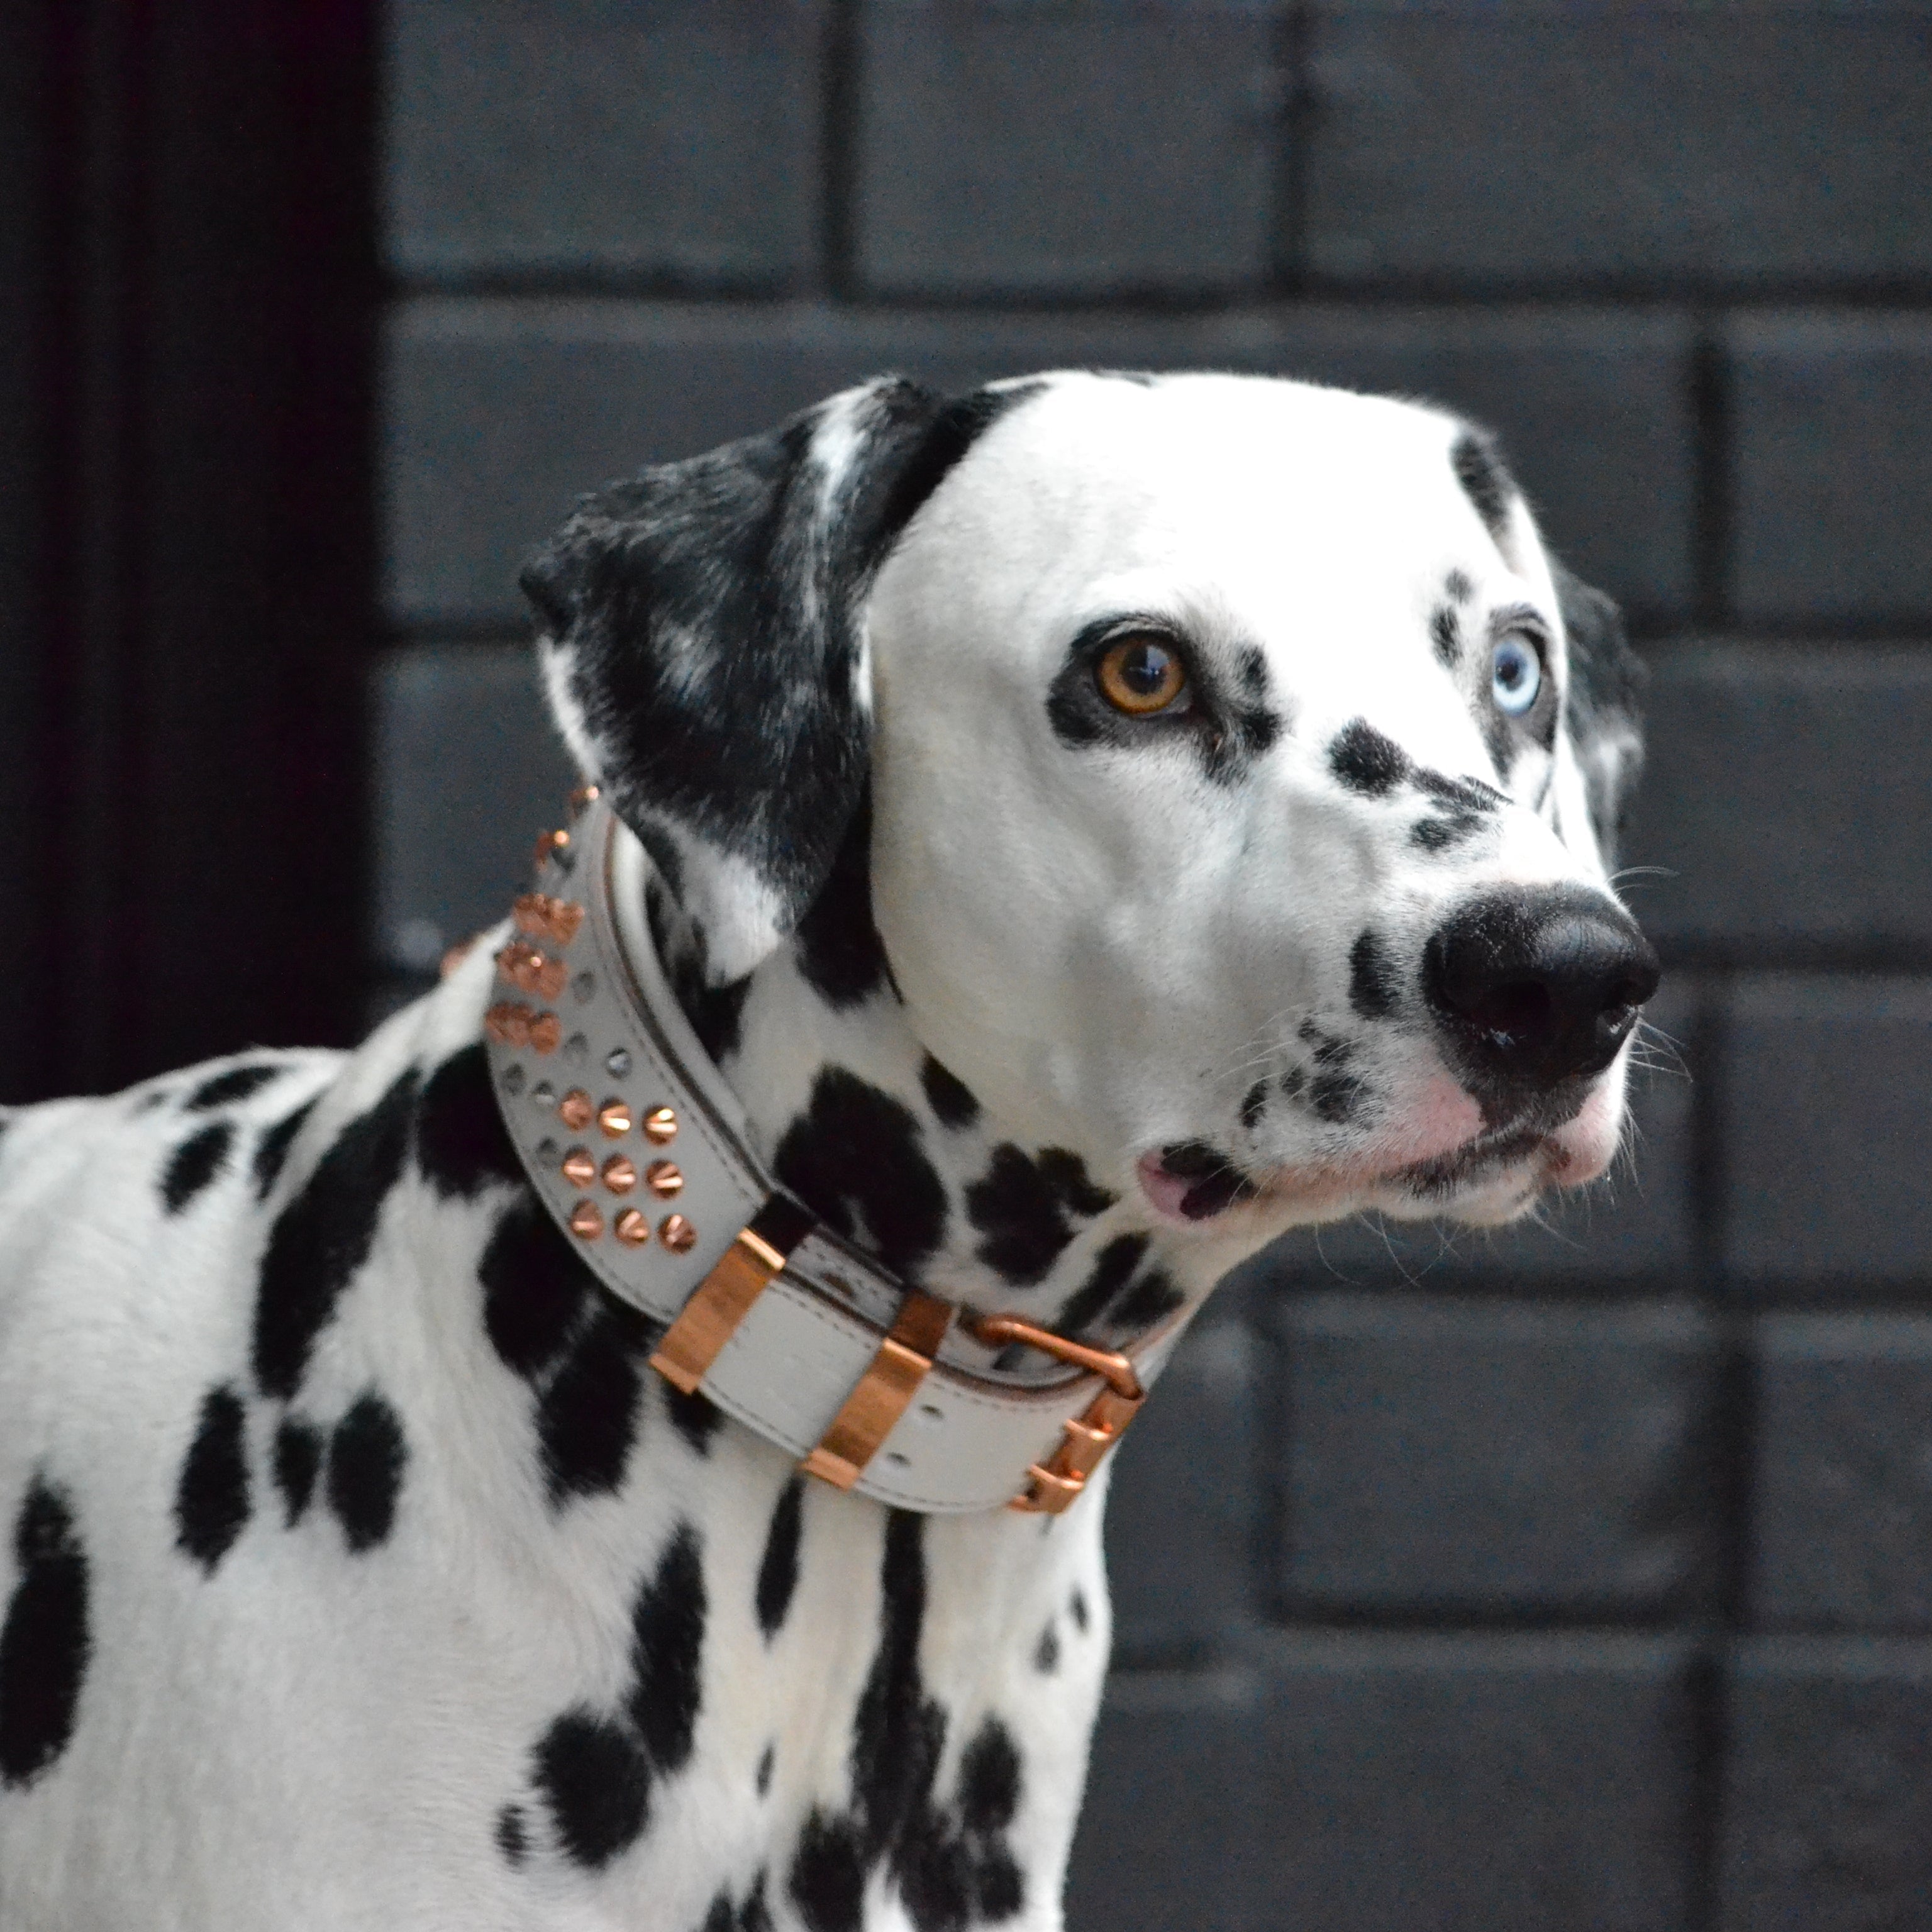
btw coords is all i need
(1195, 1181)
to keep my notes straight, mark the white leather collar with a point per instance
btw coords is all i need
(635, 1144)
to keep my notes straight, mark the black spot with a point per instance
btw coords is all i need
(777, 1569)
(1486, 482)
(754, 1915)
(212, 1503)
(323, 1235)
(1445, 633)
(1001, 1887)
(838, 948)
(696, 1417)
(828, 1874)
(720, 1918)
(1293, 1081)
(1153, 1297)
(854, 1158)
(272, 1149)
(44, 1644)
(1366, 761)
(1046, 1652)
(535, 1286)
(597, 1784)
(667, 1650)
(1443, 834)
(989, 1779)
(716, 1012)
(1465, 794)
(1021, 1205)
(237, 1084)
(298, 1456)
(462, 1146)
(587, 1417)
(1254, 1104)
(512, 1839)
(1457, 587)
(1113, 1268)
(1335, 1095)
(366, 1457)
(766, 1763)
(1502, 744)
(1077, 1607)
(194, 1164)
(1374, 987)
(952, 1104)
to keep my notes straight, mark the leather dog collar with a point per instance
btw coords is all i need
(639, 1149)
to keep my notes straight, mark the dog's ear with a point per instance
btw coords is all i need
(1604, 711)
(703, 646)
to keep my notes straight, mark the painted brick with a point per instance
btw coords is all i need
(1494, 146)
(1064, 150)
(498, 413)
(1784, 800)
(1824, 1094)
(1841, 1486)
(1179, 1528)
(1516, 1783)
(1832, 466)
(1827, 1803)
(1490, 1460)
(1171, 1838)
(676, 140)
(467, 771)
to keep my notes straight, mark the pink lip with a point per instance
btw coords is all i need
(1166, 1191)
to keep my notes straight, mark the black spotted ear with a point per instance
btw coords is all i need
(704, 646)
(1604, 711)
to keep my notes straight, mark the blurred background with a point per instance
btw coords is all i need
(1579, 1578)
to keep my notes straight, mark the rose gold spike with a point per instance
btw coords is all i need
(586, 1222)
(546, 1031)
(548, 977)
(580, 1167)
(660, 1126)
(549, 844)
(664, 1178)
(575, 1110)
(614, 1117)
(584, 794)
(677, 1234)
(620, 1175)
(508, 1024)
(532, 915)
(566, 920)
(631, 1227)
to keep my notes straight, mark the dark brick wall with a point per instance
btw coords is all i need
(1575, 1576)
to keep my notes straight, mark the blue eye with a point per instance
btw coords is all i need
(1516, 675)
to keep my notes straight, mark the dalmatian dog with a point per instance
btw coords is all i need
(1093, 825)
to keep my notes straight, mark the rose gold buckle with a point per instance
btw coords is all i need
(1062, 1477)
(883, 1392)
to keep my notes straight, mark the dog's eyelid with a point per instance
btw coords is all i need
(1521, 620)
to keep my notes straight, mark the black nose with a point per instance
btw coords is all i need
(1535, 985)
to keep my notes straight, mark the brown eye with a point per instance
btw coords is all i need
(1140, 675)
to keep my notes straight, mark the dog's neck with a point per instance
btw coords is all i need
(856, 1118)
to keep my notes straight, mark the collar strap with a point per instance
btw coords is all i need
(637, 1147)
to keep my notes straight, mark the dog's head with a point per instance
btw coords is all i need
(1243, 768)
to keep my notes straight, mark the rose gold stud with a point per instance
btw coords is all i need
(585, 794)
(664, 1178)
(543, 917)
(614, 1117)
(546, 1029)
(631, 1227)
(619, 1175)
(579, 1168)
(508, 1024)
(677, 1234)
(586, 1222)
(575, 1110)
(551, 845)
(660, 1126)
